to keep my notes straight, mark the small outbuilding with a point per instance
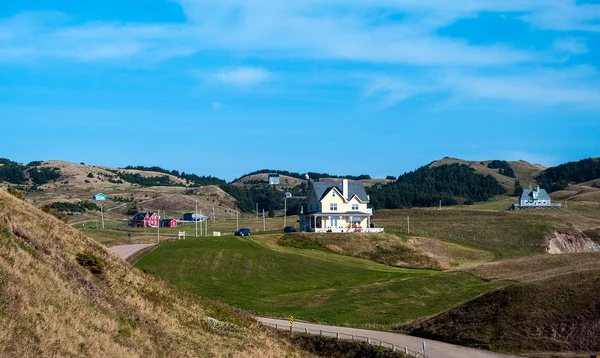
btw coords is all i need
(274, 179)
(100, 197)
(168, 223)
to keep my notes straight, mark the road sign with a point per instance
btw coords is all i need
(288, 195)
(291, 319)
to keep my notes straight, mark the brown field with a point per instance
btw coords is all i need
(536, 267)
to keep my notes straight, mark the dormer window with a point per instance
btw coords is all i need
(354, 206)
(333, 193)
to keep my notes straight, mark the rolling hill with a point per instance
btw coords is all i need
(62, 294)
(555, 308)
(525, 172)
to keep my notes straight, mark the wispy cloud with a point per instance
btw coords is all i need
(240, 76)
(571, 46)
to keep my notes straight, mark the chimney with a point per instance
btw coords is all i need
(345, 189)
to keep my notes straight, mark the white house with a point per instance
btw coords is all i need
(534, 198)
(337, 207)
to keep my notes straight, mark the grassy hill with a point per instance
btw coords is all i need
(257, 273)
(560, 313)
(62, 294)
(525, 172)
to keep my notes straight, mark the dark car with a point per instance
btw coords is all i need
(242, 232)
(289, 229)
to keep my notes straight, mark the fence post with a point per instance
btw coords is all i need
(291, 328)
(393, 347)
(337, 335)
(276, 328)
(369, 340)
(352, 337)
(405, 350)
(306, 330)
(320, 332)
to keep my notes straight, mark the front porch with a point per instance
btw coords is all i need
(333, 222)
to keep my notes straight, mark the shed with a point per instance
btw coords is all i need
(100, 196)
(274, 179)
(168, 223)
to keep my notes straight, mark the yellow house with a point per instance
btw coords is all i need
(336, 207)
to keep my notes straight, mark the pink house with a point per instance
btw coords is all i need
(145, 219)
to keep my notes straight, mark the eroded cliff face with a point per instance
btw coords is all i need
(561, 243)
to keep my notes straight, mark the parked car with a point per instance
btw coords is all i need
(242, 232)
(289, 229)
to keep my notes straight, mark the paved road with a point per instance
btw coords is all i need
(435, 349)
(125, 251)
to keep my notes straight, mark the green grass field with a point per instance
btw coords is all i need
(259, 275)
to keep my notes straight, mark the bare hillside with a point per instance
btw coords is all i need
(63, 295)
(83, 175)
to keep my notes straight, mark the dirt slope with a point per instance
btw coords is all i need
(51, 306)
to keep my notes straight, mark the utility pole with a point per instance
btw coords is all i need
(264, 227)
(408, 221)
(257, 210)
(196, 218)
(440, 204)
(158, 229)
(287, 195)
(214, 217)
(206, 227)
(237, 221)
(102, 213)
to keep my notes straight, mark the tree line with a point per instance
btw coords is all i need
(311, 175)
(15, 173)
(426, 186)
(196, 180)
(559, 177)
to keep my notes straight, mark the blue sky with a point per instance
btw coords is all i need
(223, 87)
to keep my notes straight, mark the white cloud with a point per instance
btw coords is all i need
(537, 88)
(571, 46)
(241, 76)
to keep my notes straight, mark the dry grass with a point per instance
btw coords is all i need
(408, 251)
(50, 306)
(537, 267)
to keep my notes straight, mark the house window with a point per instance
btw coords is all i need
(333, 193)
(310, 207)
(333, 206)
(354, 206)
(317, 207)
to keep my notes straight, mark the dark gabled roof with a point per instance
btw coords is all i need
(274, 175)
(528, 195)
(143, 214)
(354, 188)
